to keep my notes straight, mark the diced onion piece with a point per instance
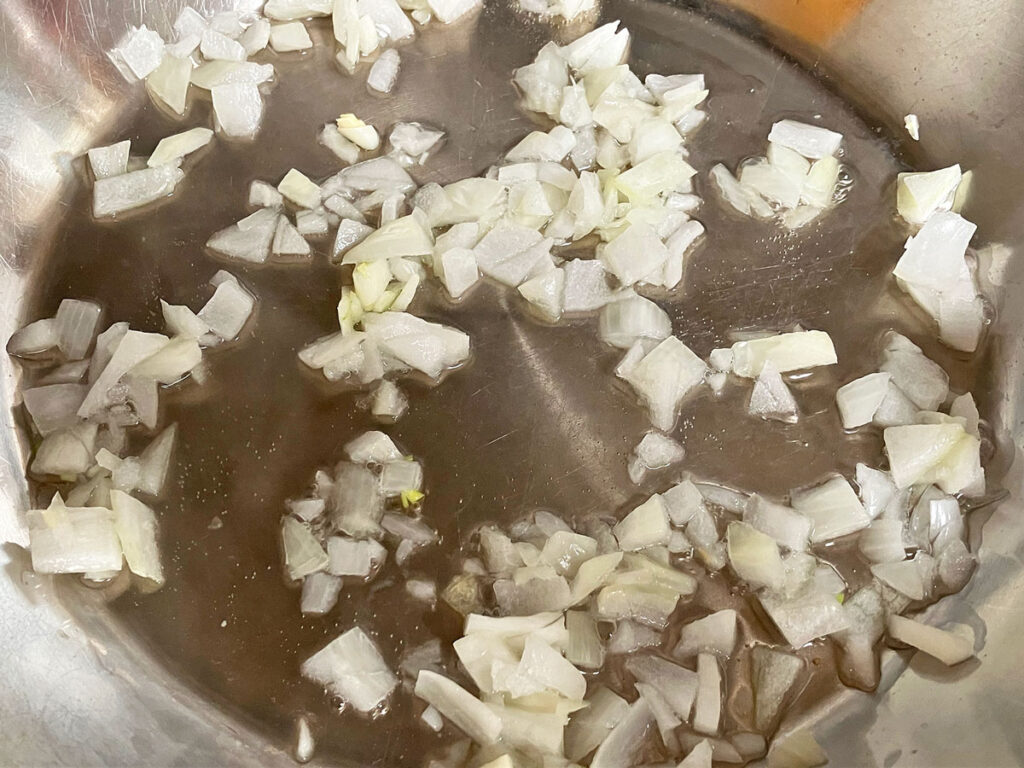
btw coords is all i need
(214, 45)
(743, 199)
(787, 526)
(624, 322)
(585, 649)
(372, 447)
(354, 557)
(136, 530)
(811, 141)
(238, 109)
(948, 647)
(467, 712)
(73, 539)
(171, 362)
(625, 740)
(288, 242)
(882, 541)
(713, 634)
(405, 236)
(819, 187)
(384, 72)
(773, 674)
(358, 132)
(754, 556)
(169, 82)
(699, 757)
(255, 37)
(109, 161)
(771, 182)
(797, 749)
(35, 338)
(787, 352)
(833, 507)
(663, 377)
(182, 321)
(217, 73)
(427, 347)
(228, 309)
(511, 254)
(55, 406)
(943, 454)
(248, 240)
(707, 707)
(389, 402)
(303, 554)
(352, 668)
(934, 257)
(589, 727)
(140, 49)
(544, 292)
(771, 398)
(345, 150)
(657, 175)
(859, 399)
(130, 349)
(295, 186)
(290, 37)
(919, 195)
(117, 194)
(645, 526)
(448, 11)
(593, 574)
(654, 451)
(75, 323)
(913, 126)
(807, 616)
(307, 510)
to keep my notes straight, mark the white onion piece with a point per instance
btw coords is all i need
(882, 541)
(663, 377)
(593, 574)
(289, 37)
(699, 757)
(787, 526)
(859, 399)
(255, 37)
(743, 199)
(33, 339)
(943, 454)
(586, 285)
(132, 348)
(811, 141)
(464, 710)
(707, 707)
(307, 510)
(211, 74)
(238, 109)
(345, 150)
(934, 257)
(288, 242)
(171, 362)
(657, 175)
(904, 576)
(754, 556)
(228, 309)
(352, 668)
(584, 649)
(384, 72)
(73, 539)
(589, 727)
(389, 402)
(359, 133)
(623, 743)
(771, 183)
(919, 195)
(54, 407)
(770, 398)
(797, 749)
(264, 195)
(654, 451)
(109, 161)
(645, 526)
(896, 409)
(295, 186)
(372, 447)
(713, 634)
(833, 507)
(173, 148)
(624, 322)
(214, 45)
(303, 554)
(136, 528)
(248, 240)
(805, 617)
(602, 47)
(948, 647)
(155, 462)
(76, 323)
(511, 253)
(405, 236)
(117, 194)
(140, 49)
(773, 674)
(786, 351)
(629, 637)
(354, 557)
(544, 293)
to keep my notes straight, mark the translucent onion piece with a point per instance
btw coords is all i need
(54, 407)
(625, 740)
(229, 308)
(754, 556)
(773, 674)
(859, 399)
(787, 352)
(707, 706)
(811, 141)
(109, 161)
(589, 727)
(805, 617)
(352, 668)
(797, 749)
(713, 634)
(73, 539)
(136, 528)
(463, 709)
(238, 109)
(833, 507)
(919, 195)
(384, 72)
(290, 37)
(677, 685)
(116, 194)
(771, 398)
(303, 554)
(663, 377)
(645, 526)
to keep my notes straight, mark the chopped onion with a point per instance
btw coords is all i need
(707, 706)
(132, 348)
(295, 186)
(860, 399)
(654, 451)
(833, 507)
(289, 37)
(427, 347)
(663, 377)
(586, 285)
(405, 236)
(248, 240)
(116, 194)
(136, 527)
(155, 462)
(54, 407)
(109, 161)
(212, 74)
(288, 242)
(629, 637)
(593, 574)
(771, 398)
(882, 541)
(467, 712)
(34, 339)
(352, 668)
(511, 254)
(352, 557)
(805, 617)
(589, 727)
(307, 510)
(384, 72)
(943, 454)
(584, 649)
(754, 556)
(624, 322)
(948, 647)
(787, 526)
(797, 749)
(303, 554)
(773, 674)
(624, 741)
(140, 49)
(73, 539)
(171, 149)
(786, 351)
(389, 402)
(699, 757)
(645, 526)
(359, 133)
(544, 292)
(228, 309)
(713, 634)
(372, 447)
(214, 45)
(919, 195)
(238, 109)
(811, 141)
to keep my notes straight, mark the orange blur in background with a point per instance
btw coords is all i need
(815, 21)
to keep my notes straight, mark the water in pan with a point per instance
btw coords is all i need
(534, 421)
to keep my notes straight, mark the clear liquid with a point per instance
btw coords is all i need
(536, 420)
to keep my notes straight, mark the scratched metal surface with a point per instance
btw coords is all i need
(515, 430)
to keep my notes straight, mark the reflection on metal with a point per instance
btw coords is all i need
(534, 420)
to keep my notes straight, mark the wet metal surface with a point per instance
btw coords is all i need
(536, 420)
